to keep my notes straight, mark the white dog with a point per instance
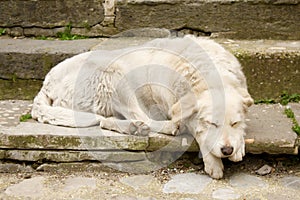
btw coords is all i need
(165, 86)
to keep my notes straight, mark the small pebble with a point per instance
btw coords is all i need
(264, 170)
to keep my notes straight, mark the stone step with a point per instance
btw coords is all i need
(259, 19)
(25, 62)
(269, 131)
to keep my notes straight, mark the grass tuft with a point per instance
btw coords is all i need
(290, 114)
(2, 31)
(25, 117)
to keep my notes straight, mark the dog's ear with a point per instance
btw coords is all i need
(184, 108)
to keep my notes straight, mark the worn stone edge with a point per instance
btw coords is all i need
(155, 142)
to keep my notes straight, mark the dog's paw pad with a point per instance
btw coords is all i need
(139, 128)
(144, 130)
(133, 128)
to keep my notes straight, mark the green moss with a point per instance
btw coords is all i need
(65, 142)
(44, 38)
(268, 74)
(25, 117)
(290, 114)
(39, 141)
(86, 26)
(283, 99)
(2, 31)
(265, 101)
(47, 63)
(19, 142)
(67, 34)
(19, 89)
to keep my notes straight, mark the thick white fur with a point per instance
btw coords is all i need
(154, 87)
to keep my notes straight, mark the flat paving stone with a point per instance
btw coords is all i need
(99, 184)
(189, 183)
(138, 181)
(225, 194)
(12, 110)
(32, 188)
(241, 180)
(75, 183)
(292, 182)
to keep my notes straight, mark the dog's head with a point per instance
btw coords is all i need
(218, 123)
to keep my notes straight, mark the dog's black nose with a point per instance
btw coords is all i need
(227, 150)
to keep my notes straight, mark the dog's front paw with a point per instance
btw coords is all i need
(213, 166)
(139, 128)
(238, 156)
(215, 172)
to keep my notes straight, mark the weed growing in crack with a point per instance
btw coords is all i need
(283, 99)
(67, 35)
(2, 31)
(290, 114)
(25, 117)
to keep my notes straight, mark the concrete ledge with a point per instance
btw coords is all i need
(32, 59)
(269, 131)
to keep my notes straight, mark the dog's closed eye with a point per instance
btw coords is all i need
(235, 124)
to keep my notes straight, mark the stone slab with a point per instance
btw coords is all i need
(270, 130)
(138, 181)
(106, 185)
(292, 182)
(72, 156)
(225, 194)
(276, 59)
(188, 183)
(32, 59)
(75, 183)
(43, 136)
(12, 110)
(27, 188)
(241, 180)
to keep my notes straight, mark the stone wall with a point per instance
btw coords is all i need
(47, 17)
(246, 19)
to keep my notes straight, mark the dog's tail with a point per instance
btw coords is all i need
(44, 112)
